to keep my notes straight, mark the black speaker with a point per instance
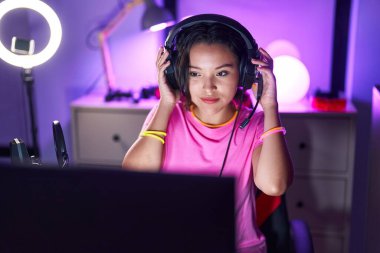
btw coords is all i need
(248, 72)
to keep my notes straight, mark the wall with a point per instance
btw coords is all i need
(269, 21)
(363, 73)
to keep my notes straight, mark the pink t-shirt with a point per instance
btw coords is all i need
(191, 147)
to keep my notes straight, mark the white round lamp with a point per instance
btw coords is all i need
(292, 78)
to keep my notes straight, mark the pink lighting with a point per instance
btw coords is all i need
(283, 47)
(292, 77)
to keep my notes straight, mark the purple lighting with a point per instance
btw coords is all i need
(161, 26)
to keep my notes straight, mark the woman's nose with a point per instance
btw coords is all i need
(209, 84)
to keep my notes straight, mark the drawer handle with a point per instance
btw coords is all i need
(116, 138)
(300, 204)
(302, 145)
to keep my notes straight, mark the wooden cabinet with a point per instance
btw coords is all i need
(321, 145)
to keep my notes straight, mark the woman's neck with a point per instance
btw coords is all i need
(218, 119)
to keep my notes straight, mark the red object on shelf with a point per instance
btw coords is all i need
(329, 104)
(157, 93)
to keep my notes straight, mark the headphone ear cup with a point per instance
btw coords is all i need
(170, 70)
(249, 75)
(252, 75)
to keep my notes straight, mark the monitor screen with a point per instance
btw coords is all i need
(102, 210)
(373, 207)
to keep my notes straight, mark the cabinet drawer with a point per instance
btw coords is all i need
(103, 137)
(321, 202)
(319, 144)
(328, 244)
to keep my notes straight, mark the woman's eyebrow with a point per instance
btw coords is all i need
(228, 65)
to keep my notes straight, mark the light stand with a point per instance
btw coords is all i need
(21, 54)
(28, 79)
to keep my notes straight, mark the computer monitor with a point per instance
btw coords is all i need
(373, 207)
(101, 210)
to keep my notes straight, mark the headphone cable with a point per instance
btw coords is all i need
(232, 132)
(246, 121)
(258, 97)
(242, 125)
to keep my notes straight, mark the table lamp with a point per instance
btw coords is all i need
(154, 18)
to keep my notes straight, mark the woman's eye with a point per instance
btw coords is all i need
(222, 73)
(193, 74)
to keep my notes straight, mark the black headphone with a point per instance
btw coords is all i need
(248, 72)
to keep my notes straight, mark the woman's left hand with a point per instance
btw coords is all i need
(265, 67)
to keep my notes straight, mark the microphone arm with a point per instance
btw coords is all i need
(60, 146)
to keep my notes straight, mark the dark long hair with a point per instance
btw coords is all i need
(209, 33)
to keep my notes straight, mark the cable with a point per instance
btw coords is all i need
(246, 121)
(232, 132)
(242, 125)
(94, 83)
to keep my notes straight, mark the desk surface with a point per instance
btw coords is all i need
(97, 101)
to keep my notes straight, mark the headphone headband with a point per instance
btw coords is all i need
(213, 18)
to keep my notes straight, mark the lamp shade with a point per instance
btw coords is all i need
(155, 15)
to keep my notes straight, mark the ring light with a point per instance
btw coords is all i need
(30, 61)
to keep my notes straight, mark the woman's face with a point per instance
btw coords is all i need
(213, 77)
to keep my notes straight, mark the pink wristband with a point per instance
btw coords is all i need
(272, 131)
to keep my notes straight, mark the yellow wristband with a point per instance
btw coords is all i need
(153, 136)
(159, 133)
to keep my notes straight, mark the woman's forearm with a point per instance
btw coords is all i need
(274, 171)
(146, 153)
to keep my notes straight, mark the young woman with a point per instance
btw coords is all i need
(189, 130)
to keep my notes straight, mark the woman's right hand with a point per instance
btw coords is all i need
(167, 95)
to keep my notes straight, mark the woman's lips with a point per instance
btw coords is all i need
(210, 100)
